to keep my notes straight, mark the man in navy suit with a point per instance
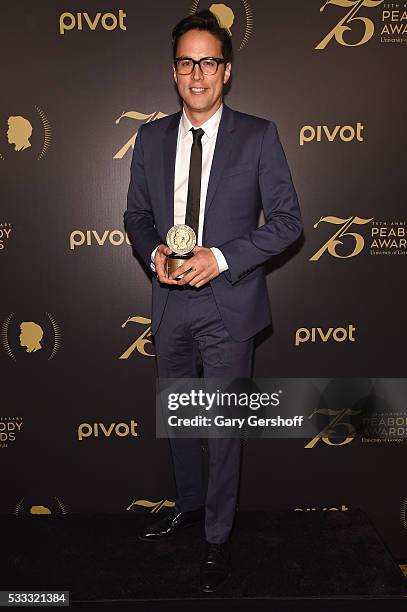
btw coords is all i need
(204, 323)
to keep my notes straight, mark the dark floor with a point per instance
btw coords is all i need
(282, 561)
(250, 605)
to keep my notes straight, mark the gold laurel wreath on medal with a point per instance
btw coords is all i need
(181, 239)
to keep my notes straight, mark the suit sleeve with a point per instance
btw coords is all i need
(138, 218)
(283, 221)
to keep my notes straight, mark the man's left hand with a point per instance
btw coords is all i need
(204, 268)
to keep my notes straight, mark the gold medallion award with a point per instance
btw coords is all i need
(181, 239)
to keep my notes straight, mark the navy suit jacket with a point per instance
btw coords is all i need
(249, 171)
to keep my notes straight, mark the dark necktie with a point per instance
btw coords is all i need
(194, 181)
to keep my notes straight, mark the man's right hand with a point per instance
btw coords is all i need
(160, 262)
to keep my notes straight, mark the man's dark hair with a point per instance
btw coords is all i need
(203, 20)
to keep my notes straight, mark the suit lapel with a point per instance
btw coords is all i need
(169, 153)
(223, 147)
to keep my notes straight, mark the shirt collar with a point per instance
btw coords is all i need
(209, 127)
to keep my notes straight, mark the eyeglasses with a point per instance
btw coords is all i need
(208, 65)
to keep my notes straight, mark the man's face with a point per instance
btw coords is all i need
(200, 92)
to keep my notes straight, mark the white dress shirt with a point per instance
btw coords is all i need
(182, 159)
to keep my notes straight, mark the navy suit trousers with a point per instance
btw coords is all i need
(191, 342)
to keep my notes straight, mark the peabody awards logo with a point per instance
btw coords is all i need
(84, 21)
(355, 241)
(387, 237)
(32, 340)
(142, 341)
(10, 428)
(340, 422)
(25, 133)
(342, 405)
(357, 27)
(237, 19)
(136, 116)
(152, 506)
(385, 428)
(52, 505)
(394, 23)
(5, 233)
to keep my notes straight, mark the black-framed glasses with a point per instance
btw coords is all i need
(208, 65)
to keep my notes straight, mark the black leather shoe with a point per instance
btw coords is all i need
(215, 567)
(171, 523)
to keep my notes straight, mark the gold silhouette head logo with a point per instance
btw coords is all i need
(31, 336)
(181, 238)
(224, 15)
(40, 510)
(227, 18)
(18, 133)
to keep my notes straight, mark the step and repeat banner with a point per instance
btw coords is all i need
(77, 416)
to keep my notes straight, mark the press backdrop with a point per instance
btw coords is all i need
(77, 365)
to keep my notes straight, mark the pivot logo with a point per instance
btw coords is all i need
(79, 21)
(346, 133)
(363, 26)
(92, 237)
(343, 508)
(337, 334)
(93, 430)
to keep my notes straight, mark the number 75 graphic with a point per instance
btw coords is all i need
(342, 25)
(141, 343)
(334, 240)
